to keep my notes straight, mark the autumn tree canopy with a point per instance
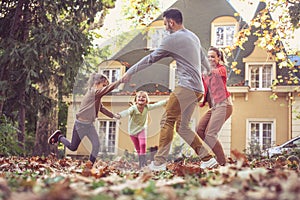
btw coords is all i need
(272, 34)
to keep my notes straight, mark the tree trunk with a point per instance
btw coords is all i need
(2, 90)
(21, 121)
(1, 104)
(41, 147)
(46, 124)
(21, 20)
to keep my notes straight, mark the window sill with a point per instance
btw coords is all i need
(286, 88)
(261, 89)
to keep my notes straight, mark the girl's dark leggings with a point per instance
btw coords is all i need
(81, 130)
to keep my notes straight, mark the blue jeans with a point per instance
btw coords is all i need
(81, 130)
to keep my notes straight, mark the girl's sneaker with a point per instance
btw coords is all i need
(54, 137)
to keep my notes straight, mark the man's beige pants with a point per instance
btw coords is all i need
(179, 109)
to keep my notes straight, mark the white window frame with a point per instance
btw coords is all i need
(261, 121)
(107, 135)
(110, 75)
(261, 65)
(214, 27)
(110, 66)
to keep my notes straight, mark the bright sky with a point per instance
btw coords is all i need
(114, 23)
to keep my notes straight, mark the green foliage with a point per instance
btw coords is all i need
(102, 196)
(105, 156)
(62, 116)
(98, 184)
(97, 55)
(42, 46)
(90, 64)
(8, 135)
(272, 36)
(130, 157)
(140, 12)
(254, 150)
(180, 149)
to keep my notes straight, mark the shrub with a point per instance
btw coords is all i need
(8, 138)
(253, 151)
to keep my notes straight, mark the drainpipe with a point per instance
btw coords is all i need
(290, 116)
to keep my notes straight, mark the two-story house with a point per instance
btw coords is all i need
(256, 117)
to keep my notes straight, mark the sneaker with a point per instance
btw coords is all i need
(54, 137)
(209, 164)
(154, 167)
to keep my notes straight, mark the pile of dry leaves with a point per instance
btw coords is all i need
(38, 178)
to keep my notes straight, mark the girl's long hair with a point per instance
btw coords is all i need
(96, 78)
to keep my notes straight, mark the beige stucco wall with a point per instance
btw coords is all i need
(250, 105)
(258, 105)
(119, 103)
(295, 117)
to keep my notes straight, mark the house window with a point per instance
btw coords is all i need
(156, 36)
(156, 33)
(223, 30)
(114, 70)
(260, 133)
(107, 135)
(224, 35)
(112, 74)
(260, 76)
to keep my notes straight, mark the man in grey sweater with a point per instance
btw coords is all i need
(185, 48)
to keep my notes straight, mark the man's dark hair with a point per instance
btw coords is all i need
(175, 14)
